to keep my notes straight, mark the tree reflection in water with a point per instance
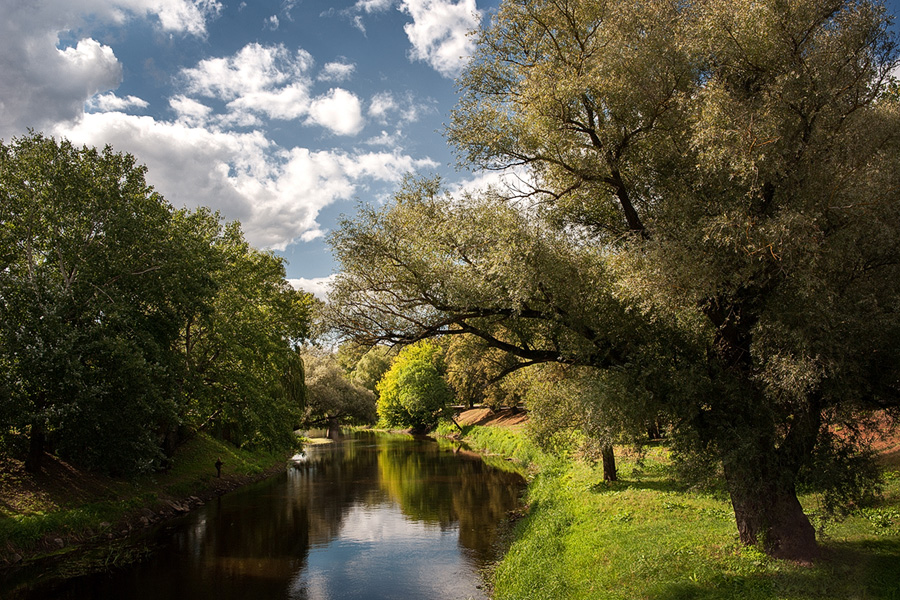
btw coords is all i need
(377, 516)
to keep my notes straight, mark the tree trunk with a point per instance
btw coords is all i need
(609, 463)
(34, 460)
(334, 430)
(767, 511)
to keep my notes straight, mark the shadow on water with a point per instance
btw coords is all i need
(373, 517)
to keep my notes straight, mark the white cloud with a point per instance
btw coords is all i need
(189, 111)
(110, 102)
(384, 104)
(439, 32)
(253, 69)
(385, 139)
(317, 286)
(272, 23)
(338, 110)
(287, 103)
(371, 6)
(276, 193)
(358, 23)
(336, 71)
(181, 15)
(273, 82)
(381, 105)
(42, 83)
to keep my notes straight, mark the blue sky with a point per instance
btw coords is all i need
(282, 114)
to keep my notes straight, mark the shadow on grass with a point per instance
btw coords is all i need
(862, 569)
(606, 487)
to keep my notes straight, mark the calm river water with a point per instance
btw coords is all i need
(375, 517)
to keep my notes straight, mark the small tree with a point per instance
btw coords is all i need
(413, 392)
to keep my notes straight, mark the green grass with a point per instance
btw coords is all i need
(647, 537)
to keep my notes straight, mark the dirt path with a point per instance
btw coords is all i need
(513, 418)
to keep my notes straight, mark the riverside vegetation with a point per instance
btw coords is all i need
(68, 509)
(647, 536)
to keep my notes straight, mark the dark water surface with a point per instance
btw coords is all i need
(375, 517)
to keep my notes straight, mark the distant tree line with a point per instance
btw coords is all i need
(126, 324)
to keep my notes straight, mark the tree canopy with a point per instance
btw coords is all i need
(413, 392)
(707, 206)
(334, 399)
(123, 320)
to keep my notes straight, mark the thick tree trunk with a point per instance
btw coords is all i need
(767, 512)
(34, 460)
(609, 463)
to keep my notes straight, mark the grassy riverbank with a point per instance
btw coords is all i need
(62, 508)
(647, 537)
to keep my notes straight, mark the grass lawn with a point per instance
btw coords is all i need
(647, 537)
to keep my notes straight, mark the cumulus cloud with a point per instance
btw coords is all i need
(439, 32)
(272, 23)
(276, 193)
(336, 71)
(385, 139)
(317, 286)
(188, 111)
(385, 106)
(180, 15)
(338, 110)
(44, 83)
(274, 82)
(382, 104)
(255, 68)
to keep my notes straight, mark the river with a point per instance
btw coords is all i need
(377, 516)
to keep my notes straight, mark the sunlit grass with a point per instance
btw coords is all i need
(645, 536)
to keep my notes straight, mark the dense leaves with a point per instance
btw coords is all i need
(334, 400)
(413, 392)
(122, 320)
(708, 209)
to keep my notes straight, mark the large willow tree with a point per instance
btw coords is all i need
(712, 214)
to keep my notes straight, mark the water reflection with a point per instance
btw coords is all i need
(377, 516)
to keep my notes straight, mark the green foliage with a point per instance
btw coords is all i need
(706, 212)
(333, 398)
(413, 392)
(240, 346)
(86, 319)
(476, 373)
(122, 320)
(372, 366)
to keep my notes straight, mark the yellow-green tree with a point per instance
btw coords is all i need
(413, 392)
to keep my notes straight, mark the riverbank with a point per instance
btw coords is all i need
(646, 536)
(63, 509)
